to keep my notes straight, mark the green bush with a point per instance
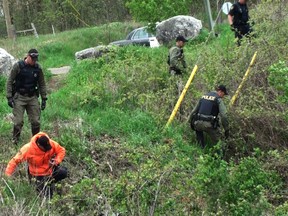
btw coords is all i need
(237, 189)
(278, 79)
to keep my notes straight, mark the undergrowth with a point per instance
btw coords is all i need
(110, 115)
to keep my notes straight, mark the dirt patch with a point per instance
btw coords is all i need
(57, 80)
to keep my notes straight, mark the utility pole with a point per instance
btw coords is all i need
(8, 19)
(208, 11)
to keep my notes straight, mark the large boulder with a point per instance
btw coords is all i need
(6, 62)
(169, 29)
(94, 52)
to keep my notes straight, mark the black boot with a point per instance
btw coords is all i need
(35, 130)
(16, 135)
(200, 138)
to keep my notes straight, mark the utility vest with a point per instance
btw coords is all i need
(209, 104)
(26, 82)
(242, 17)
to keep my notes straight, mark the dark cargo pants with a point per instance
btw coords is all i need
(45, 184)
(31, 105)
(205, 126)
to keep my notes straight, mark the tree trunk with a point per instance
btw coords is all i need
(8, 19)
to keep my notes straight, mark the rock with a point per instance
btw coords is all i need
(6, 62)
(61, 70)
(94, 52)
(169, 29)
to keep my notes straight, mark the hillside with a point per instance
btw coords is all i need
(109, 114)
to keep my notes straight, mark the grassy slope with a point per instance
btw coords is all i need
(109, 114)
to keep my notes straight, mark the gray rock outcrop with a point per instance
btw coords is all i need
(169, 29)
(93, 52)
(6, 62)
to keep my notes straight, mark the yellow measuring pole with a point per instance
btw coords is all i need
(243, 81)
(182, 96)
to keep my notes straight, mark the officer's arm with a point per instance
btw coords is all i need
(223, 115)
(11, 79)
(196, 108)
(175, 54)
(231, 14)
(184, 64)
(230, 19)
(42, 85)
(194, 111)
(18, 158)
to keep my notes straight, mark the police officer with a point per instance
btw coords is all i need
(204, 117)
(176, 58)
(238, 18)
(24, 84)
(177, 65)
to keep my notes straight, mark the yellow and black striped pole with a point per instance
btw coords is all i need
(172, 116)
(243, 81)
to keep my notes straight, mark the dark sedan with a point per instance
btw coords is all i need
(140, 37)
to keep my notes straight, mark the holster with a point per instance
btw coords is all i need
(209, 118)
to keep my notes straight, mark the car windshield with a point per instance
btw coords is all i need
(129, 36)
(140, 34)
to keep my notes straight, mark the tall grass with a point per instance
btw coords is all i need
(110, 114)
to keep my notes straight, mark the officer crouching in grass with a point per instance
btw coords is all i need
(43, 156)
(24, 84)
(204, 117)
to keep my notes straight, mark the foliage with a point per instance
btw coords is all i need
(110, 114)
(65, 15)
(157, 10)
(237, 189)
(278, 78)
(58, 50)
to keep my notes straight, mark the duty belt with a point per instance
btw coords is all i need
(26, 93)
(208, 118)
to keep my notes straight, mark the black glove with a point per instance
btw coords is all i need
(226, 134)
(11, 102)
(43, 104)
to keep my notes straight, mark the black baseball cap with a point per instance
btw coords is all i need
(33, 53)
(223, 89)
(181, 38)
(43, 141)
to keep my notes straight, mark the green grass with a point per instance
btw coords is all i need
(110, 115)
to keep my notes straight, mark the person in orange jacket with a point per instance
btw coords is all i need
(43, 156)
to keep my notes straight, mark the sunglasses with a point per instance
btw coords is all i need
(34, 56)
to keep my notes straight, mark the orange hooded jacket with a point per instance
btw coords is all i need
(38, 160)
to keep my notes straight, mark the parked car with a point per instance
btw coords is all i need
(140, 37)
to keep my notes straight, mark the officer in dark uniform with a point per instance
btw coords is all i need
(25, 83)
(238, 18)
(204, 117)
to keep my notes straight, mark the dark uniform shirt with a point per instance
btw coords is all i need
(41, 86)
(240, 14)
(176, 60)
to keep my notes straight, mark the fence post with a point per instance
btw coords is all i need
(53, 30)
(34, 29)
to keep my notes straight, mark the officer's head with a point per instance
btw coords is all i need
(32, 56)
(243, 1)
(43, 143)
(221, 90)
(180, 41)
